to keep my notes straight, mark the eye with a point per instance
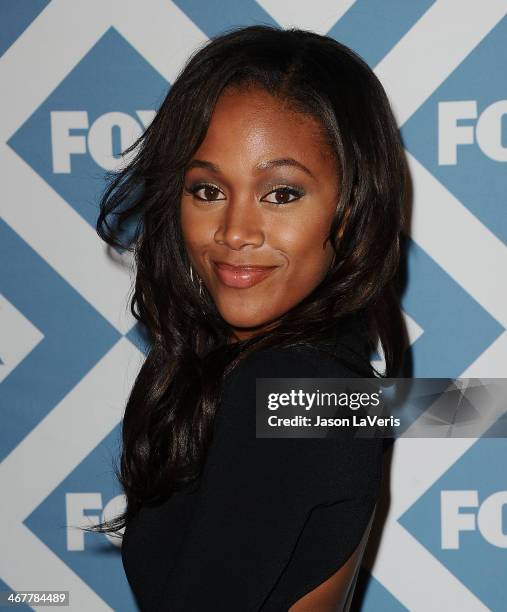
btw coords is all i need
(209, 192)
(283, 193)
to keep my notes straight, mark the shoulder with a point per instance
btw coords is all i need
(297, 361)
(328, 467)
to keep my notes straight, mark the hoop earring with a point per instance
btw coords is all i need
(192, 280)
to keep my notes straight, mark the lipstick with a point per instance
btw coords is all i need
(241, 277)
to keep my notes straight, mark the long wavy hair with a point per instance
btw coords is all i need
(168, 419)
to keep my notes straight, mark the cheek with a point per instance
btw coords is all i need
(307, 263)
(305, 249)
(186, 222)
(195, 232)
(306, 270)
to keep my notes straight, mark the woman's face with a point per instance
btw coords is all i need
(261, 190)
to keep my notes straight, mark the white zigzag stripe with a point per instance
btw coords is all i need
(146, 28)
(57, 39)
(46, 456)
(416, 465)
(410, 72)
(38, 214)
(463, 246)
(319, 16)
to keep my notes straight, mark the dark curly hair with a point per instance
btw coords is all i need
(169, 415)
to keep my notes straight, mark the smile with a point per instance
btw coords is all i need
(241, 277)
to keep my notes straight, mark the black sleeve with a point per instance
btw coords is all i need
(273, 509)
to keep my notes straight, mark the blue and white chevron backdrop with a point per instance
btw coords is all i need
(80, 79)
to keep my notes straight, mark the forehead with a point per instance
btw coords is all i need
(251, 124)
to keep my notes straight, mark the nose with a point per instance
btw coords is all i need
(240, 223)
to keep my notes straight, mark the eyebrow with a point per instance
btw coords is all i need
(264, 165)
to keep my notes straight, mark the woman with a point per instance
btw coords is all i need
(267, 197)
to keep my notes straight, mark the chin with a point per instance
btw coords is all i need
(245, 323)
(245, 320)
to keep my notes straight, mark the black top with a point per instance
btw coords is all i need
(271, 519)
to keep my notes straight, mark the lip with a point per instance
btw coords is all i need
(241, 277)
